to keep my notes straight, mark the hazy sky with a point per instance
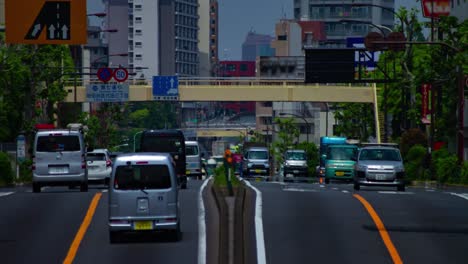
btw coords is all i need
(238, 17)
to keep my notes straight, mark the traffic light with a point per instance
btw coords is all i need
(228, 156)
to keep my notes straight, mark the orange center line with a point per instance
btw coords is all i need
(82, 231)
(382, 231)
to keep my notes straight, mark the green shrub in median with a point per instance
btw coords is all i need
(220, 177)
(6, 171)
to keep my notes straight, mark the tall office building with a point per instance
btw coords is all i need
(160, 36)
(334, 12)
(256, 45)
(208, 37)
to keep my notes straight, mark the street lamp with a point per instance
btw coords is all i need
(384, 8)
(107, 56)
(134, 140)
(379, 27)
(303, 118)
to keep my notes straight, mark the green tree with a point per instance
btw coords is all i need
(355, 120)
(287, 135)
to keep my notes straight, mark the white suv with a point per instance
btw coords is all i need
(99, 165)
(379, 166)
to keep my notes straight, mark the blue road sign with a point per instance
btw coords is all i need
(369, 59)
(114, 92)
(166, 88)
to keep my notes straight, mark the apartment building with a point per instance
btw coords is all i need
(332, 13)
(160, 37)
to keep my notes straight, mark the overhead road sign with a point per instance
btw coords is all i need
(45, 22)
(165, 88)
(329, 65)
(107, 92)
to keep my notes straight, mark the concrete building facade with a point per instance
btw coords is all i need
(332, 13)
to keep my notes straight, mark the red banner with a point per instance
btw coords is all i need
(425, 90)
(435, 8)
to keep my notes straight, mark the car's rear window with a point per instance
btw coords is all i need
(337, 153)
(191, 150)
(259, 154)
(380, 154)
(295, 155)
(136, 177)
(53, 143)
(95, 156)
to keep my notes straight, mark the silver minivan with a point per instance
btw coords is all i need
(143, 195)
(193, 159)
(59, 158)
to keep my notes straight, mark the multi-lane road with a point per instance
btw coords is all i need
(44, 228)
(313, 223)
(302, 223)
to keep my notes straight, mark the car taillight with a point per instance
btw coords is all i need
(108, 163)
(83, 161)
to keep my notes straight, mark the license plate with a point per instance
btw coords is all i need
(257, 179)
(58, 170)
(295, 171)
(258, 171)
(143, 225)
(187, 172)
(380, 177)
(339, 173)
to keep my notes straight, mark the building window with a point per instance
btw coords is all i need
(138, 44)
(243, 67)
(138, 56)
(138, 32)
(282, 37)
(138, 7)
(138, 20)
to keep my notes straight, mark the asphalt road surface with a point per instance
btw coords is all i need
(42, 228)
(314, 223)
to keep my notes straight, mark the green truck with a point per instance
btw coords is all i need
(336, 159)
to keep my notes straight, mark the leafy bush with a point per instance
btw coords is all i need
(464, 173)
(6, 171)
(446, 167)
(312, 156)
(415, 161)
(413, 136)
(25, 172)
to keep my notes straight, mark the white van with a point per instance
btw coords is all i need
(193, 159)
(59, 158)
(143, 195)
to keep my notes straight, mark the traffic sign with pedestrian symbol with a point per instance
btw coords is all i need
(165, 88)
(45, 22)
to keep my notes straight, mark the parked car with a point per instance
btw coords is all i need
(99, 165)
(379, 166)
(143, 195)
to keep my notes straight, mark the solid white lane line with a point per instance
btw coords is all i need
(261, 257)
(202, 225)
(394, 192)
(5, 193)
(298, 190)
(345, 191)
(461, 195)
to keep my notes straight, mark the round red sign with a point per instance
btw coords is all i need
(121, 74)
